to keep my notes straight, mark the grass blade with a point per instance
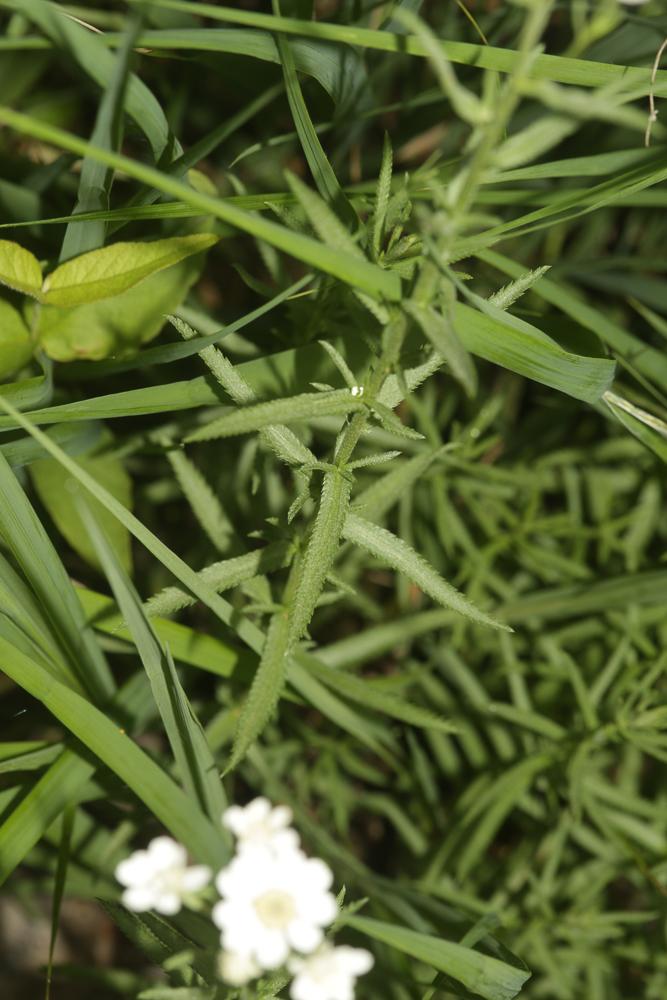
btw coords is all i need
(186, 737)
(481, 974)
(113, 747)
(360, 274)
(33, 551)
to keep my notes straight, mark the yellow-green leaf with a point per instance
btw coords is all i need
(116, 327)
(50, 480)
(104, 273)
(15, 343)
(19, 269)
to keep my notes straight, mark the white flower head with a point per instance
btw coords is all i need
(237, 968)
(357, 390)
(259, 824)
(329, 974)
(159, 877)
(273, 902)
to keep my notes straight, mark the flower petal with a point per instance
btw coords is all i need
(134, 870)
(139, 898)
(271, 949)
(165, 853)
(195, 878)
(319, 874)
(168, 903)
(354, 961)
(237, 968)
(304, 936)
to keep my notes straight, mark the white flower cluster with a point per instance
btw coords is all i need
(275, 903)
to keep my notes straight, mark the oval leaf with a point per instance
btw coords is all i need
(15, 343)
(19, 269)
(50, 477)
(104, 273)
(116, 327)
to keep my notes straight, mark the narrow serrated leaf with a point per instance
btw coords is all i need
(393, 550)
(382, 193)
(205, 505)
(320, 552)
(221, 576)
(265, 689)
(293, 409)
(513, 290)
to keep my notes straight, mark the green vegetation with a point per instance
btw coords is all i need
(333, 429)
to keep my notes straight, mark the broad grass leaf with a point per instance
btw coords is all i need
(104, 273)
(645, 426)
(482, 974)
(16, 347)
(245, 629)
(75, 440)
(266, 376)
(116, 327)
(63, 783)
(648, 360)
(339, 70)
(395, 552)
(561, 69)
(28, 755)
(21, 607)
(19, 269)
(50, 480)
(524, 349)
(444, 338)
(60, 880)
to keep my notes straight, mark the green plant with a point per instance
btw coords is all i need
(374, 529)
